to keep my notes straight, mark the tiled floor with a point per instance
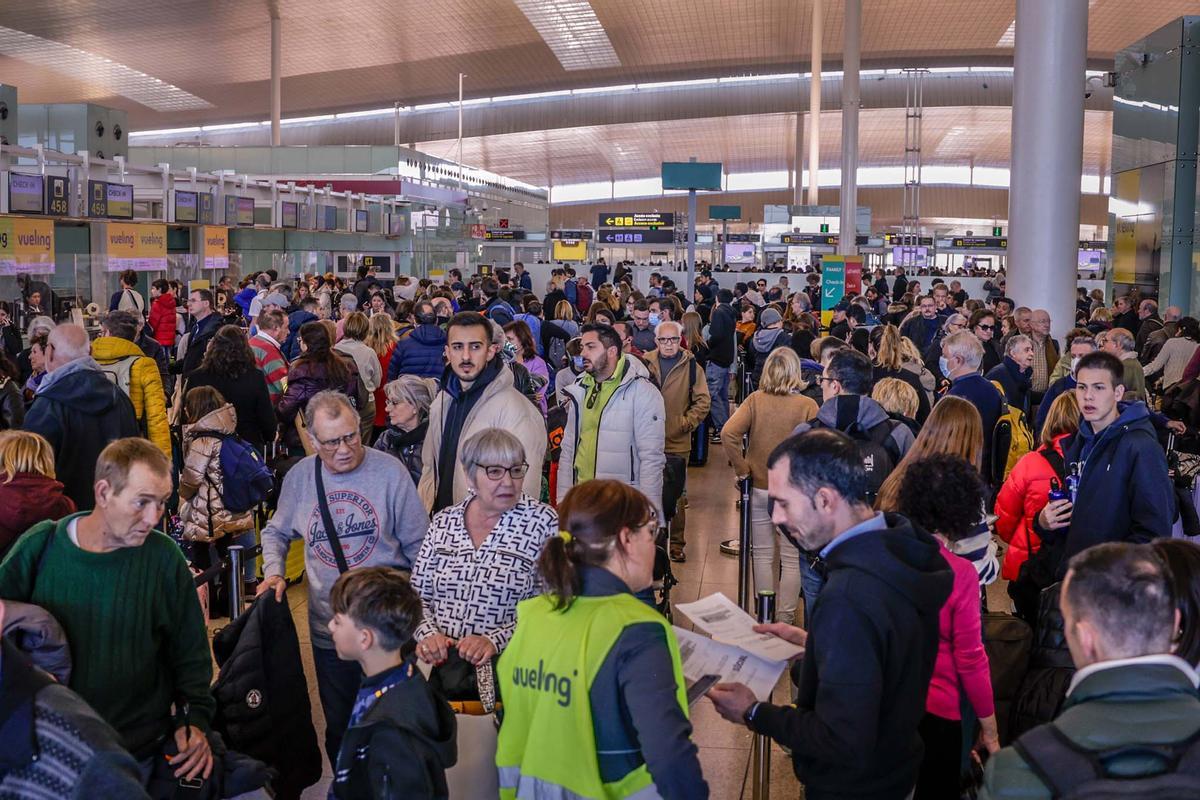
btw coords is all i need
(724, 748)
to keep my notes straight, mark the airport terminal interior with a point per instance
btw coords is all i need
(575, 399)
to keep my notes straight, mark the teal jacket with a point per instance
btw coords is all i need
(1148, 700)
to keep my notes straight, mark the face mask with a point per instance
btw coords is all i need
(944, 365)
(654, 320)
(577, 363)
(1074, 364)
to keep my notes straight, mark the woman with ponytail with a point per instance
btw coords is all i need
(592, 666)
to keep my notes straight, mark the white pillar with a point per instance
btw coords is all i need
(798, 182)
(1047, 156)
(852, 30)
(814, 103)
(276, 78)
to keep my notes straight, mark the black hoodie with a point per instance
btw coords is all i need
(402, 746)
(872, 641)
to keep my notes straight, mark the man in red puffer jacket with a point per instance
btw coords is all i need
(162, 313)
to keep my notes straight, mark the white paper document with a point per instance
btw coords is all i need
(720, 618)
(702, 656)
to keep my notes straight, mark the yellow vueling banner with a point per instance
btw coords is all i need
(26, 246)
(139, 247)
(216, 247)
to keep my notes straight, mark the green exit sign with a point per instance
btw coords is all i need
(824, 227)
(997, 231)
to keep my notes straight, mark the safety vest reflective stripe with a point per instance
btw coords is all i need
(519, 787)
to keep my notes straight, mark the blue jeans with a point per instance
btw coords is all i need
(717, 378)
(337, 685)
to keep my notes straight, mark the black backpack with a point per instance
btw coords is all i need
(1072, 772)
(880, 453)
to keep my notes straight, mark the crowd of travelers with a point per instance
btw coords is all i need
(464, 497)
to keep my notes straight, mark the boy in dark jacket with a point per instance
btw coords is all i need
(401, 737)
(1123, 491)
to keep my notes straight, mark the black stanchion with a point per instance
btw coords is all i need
(237, 587)
(761, 788)
(744, 574)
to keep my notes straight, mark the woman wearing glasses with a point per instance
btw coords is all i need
(477, 561)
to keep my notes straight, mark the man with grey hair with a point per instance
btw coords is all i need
(954, 322)
(353, 507)
(1120, 342)
(1045, 354)
(1131, 695)
(1014, 373)
(79, 411)
(962, 353)
(1155, 340)
(1148, 322)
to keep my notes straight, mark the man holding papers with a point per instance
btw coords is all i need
(872, 634)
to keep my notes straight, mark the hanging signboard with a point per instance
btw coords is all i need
(833, 285)
(141, 248)
(26, 246)
(57, 202)
(640, 220)
(216, 247)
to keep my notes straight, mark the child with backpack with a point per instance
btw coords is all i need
(209, 425)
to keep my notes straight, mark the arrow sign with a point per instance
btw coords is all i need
(608, 220)
(831, 292)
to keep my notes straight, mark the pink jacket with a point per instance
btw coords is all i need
(961, 659)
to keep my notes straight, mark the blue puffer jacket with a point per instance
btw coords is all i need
(419, 353)
(1124, 491)
(291, 345)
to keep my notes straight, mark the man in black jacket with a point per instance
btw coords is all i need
(203, 327)
(79, 411)
(872, 634)
(722, 346)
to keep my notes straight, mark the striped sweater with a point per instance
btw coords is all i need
(271, 361)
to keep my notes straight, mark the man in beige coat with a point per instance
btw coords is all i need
(686, 402)
(477, 393)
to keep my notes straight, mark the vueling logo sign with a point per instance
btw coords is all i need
(541, 681)
(215, 241)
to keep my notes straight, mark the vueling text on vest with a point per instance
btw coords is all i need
(542, 681)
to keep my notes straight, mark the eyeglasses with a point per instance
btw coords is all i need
(667, 339)
(986, 327)
(824, 379)
(333, 444)
(495, 473)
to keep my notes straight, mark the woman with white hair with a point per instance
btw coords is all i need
(477, 561)
(407, 400)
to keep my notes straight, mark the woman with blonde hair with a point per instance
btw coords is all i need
(381, 338)
(556, 332)
(693, 326)
(1026, 491)
(953, 429)
(769, 415)
(29, 493)
(898, 399)
(886, 348)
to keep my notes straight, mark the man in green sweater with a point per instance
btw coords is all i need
(125, 598)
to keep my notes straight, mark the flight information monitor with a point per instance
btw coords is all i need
(26, 193)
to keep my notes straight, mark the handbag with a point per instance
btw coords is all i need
(327, 520)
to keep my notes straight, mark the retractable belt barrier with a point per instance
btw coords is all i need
(744, 529)
(232, 565)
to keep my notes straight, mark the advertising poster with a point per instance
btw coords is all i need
(853, 275)
(26, 246)
(141, 248)
(833, 285)
(216, 247)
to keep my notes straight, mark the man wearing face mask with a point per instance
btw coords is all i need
(962, 353)
(644, 324)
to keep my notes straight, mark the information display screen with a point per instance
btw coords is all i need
(361, 220)
(57, 200)
(304, 216)
(326, 218)
(26, 193)
(208, 214)
(245, 211)
(120, 200)
(741, 254)
(645, 221)
(187, 206)
(381, 264)
(289, 215)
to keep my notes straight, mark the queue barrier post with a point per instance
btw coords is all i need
(761, 787)
(744, 527)
(237, 588)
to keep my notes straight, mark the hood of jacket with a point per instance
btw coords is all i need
(223, 420)
(298, 318)
(111, 348)
(1022, 377)
(414, 707)
(36, 633)
(634, 370)
(1133, 416)
(35, 491)
(849, 408)
(82, 386)
(164, 302)
(764, 338)
(902, 556)
(428, 335)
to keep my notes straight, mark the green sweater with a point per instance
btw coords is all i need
(133, 622)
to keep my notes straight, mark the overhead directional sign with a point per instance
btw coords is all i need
(640, 220)
(637, 237)
(895, 239)
(572, 236)
(979, 242)
(503, 235)
(810, 239)
(740, 237)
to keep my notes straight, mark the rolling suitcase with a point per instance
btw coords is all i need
(699, 454)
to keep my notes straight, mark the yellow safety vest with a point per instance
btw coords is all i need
(547, 744)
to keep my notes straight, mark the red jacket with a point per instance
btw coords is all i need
(162, 319)
(1022, 497)
(26, 500)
